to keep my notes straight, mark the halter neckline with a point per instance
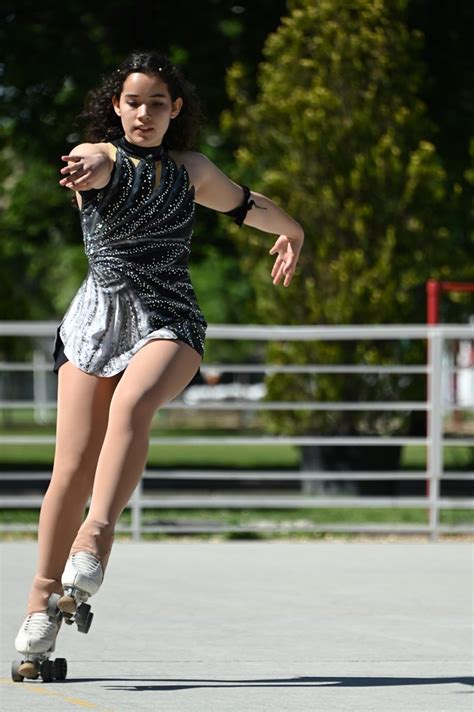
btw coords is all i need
(131, 149)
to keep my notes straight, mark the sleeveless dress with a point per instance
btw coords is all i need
(137, 237)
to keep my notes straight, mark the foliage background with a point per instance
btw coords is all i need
(54, 52)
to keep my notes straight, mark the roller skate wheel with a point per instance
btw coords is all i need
(60, 668)
(16, 675)
(67, 604)
(84, 619)
(47, 671)
(82, 613)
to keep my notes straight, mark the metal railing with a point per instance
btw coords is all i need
(435, 441)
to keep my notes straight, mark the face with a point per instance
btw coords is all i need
(145, 108)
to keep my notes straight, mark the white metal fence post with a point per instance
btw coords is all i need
(435, 427)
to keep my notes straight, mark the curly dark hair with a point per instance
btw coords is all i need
(103, 124)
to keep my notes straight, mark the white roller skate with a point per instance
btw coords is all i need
(82, 578)
(35, 642)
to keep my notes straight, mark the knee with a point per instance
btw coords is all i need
(132, 410)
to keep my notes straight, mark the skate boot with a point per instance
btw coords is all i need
(35, 642)
(82, 578)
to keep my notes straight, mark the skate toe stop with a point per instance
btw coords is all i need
(67, 604)
(29, 670)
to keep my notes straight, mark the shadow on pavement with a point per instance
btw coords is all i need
(290, 682)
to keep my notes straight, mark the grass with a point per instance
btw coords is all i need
(279, 457)
(198, 456)
(216, 456)
(243, 456)
(169, 456)
(327, 515)
(455, 458)
(261, 518)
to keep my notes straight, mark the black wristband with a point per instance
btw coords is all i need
(240, 212)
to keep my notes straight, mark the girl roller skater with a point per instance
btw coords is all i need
(133, 337)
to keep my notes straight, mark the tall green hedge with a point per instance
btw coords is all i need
(339, 137)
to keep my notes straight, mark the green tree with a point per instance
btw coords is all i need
(340, 138)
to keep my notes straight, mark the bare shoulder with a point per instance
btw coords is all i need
(189, 158)
(197, 165)
(213, 188)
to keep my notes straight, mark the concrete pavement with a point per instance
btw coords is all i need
(250, 627)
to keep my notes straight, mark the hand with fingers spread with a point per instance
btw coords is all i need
(86, 171)
(287, 252)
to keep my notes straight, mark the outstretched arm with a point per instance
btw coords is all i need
(215, 190)
(88, 166)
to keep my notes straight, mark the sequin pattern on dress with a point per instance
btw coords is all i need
(137, 238)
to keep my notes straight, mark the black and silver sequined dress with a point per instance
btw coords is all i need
(137, 238)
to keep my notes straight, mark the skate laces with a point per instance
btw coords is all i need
(86, 563)
(39, 624)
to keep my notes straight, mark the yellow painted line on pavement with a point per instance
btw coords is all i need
(36, 689)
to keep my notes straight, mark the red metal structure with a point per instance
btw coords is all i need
(434, 290)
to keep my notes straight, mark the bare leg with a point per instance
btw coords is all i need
(155, 375)
(83, 407)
